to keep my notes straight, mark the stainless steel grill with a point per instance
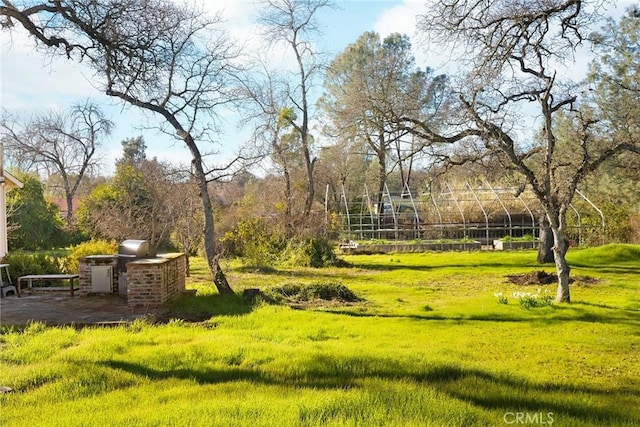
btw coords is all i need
(132, 250)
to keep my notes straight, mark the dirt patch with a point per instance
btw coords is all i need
(584, 281)
(539, 277)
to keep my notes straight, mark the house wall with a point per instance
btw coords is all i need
(3, 219)
(7, 183)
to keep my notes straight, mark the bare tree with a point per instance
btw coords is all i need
(185, 214)
(291, 22)
(341, 167)
(370, 83)
(515, 53)
(265, 97)
(64, 143)
(171, 60)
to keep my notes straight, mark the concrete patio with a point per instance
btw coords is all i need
(59, 308)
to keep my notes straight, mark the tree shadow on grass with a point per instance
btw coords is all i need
(491, 391)
(583, 312)
(208, 376)
(591, 304)
(320, 272)
(568, 313)
(608, 269)
(462, 267)
(198, 308)
(613, 316)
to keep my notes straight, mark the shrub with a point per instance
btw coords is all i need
(92, 247)
(327, 291)
(35, 222)
(251, 241)
(258, 247)
(313, 252)
(22, 263)
(288, 290)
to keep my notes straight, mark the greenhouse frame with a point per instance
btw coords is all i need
(481, 213)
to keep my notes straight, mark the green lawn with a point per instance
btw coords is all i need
(429, 345)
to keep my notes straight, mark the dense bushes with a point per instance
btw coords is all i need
(92, 247)
(22, 263)
(258, 247)
(33, 222)
(251, 241)
(313, 252)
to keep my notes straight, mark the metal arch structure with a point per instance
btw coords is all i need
(483, 212)
(504, 208)
(602, 221)
(457, 205)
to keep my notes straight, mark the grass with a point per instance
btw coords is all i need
(428, 346)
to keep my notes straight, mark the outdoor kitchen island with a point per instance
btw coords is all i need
(144, 280)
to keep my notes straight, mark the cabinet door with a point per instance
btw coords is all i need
(101, 279)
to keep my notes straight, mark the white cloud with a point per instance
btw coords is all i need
(399, 19)
(31, 80)
(239, 21)
(403, 19)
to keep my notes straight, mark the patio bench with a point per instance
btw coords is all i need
(49, 277)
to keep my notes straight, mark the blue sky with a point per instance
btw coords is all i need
(32, 82)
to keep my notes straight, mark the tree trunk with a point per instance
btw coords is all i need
(288, 197)
(560, 247)
(403, 179)
(382, 215)
(69, 199)
(219, 279)
(310, 184)
(281, 157)
(287, 194)
(382, 179)
(545, 249)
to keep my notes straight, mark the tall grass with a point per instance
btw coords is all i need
(428, 346)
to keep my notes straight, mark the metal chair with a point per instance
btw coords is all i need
(6, 287)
